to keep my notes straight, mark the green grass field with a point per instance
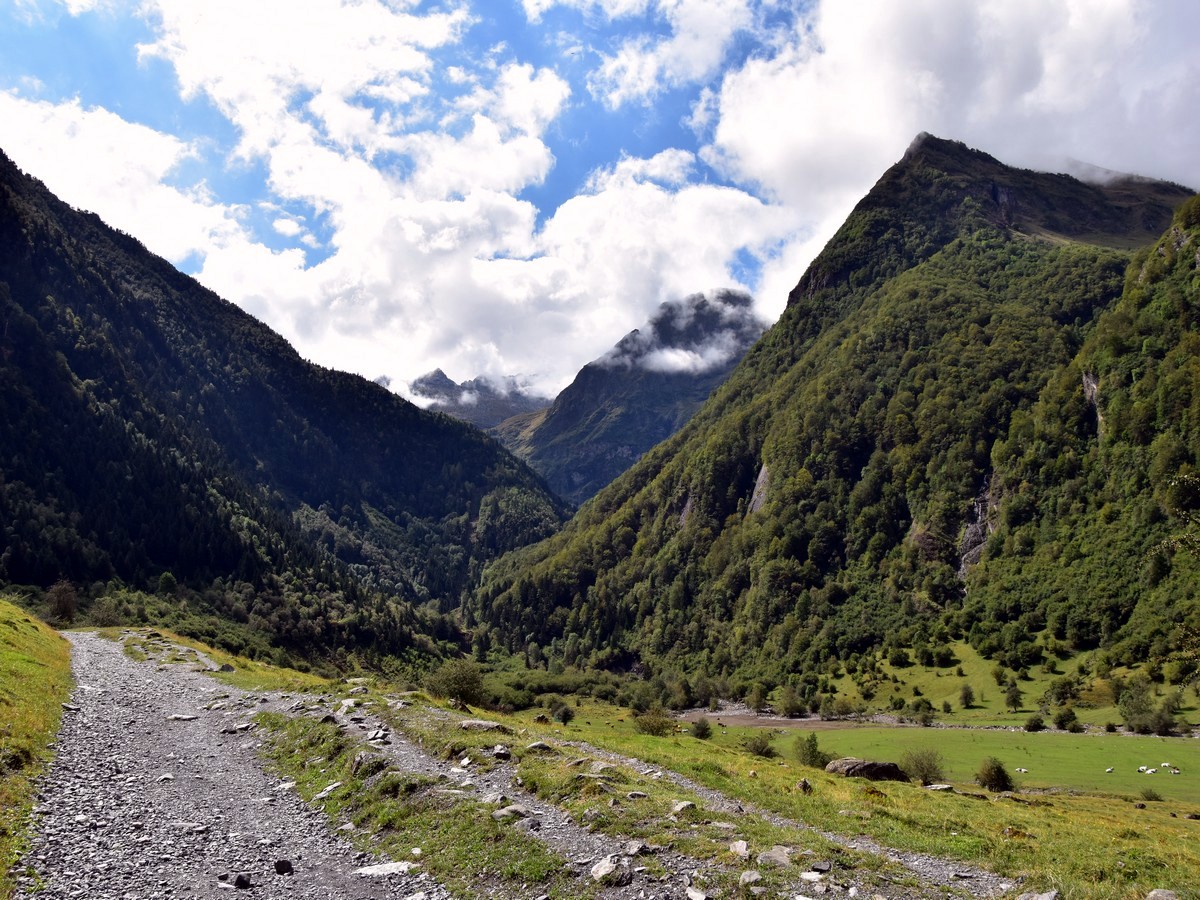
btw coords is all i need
(35, 679)
(1055, 760)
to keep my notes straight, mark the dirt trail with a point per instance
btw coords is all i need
(147, 798)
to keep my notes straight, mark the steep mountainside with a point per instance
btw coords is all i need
(149, 426)
(636, 395)
(815, 509)
(477, 401)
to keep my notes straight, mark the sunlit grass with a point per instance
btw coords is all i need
(35, 680)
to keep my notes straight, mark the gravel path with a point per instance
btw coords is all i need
(147, 798)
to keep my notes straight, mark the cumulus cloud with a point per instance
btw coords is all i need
(66, 145)
(412, 159)
(701, 32)
(814, 124)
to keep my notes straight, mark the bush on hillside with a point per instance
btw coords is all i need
(759, 744)
(992, 776)
(655, 721)
(457, 679)
(809, 753)
(924, 765)
(702, 729)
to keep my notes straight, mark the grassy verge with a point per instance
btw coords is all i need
(597, 795)
(461, 844)
(167, 647)
(1085, 845)
(35, 680)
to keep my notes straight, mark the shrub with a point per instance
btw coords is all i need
(1150, 795)
(992, 776)
(759, 744)
(655, 721)
(1064, 718)
(457, 679)
(1035, 723)
(563, 714)
(790, 703)
(924, 765)
(809, 753)
(702, 729)
(756, 697)
(966, 696)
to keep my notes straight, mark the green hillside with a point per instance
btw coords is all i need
(822, 507)
(156, 437)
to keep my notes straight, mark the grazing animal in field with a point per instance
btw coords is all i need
(1141, 768)
(1109, 770)
(1151, 771)
(1023, 771)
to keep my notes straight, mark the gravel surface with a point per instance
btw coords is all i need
(138, 804)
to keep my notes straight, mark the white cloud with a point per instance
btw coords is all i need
(287, 227)
(411, 152)
(701, 32)
(119, 170)
(1031, 82)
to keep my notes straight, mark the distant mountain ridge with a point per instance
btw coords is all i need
(921, 409)
(636, 395)
(151, 427)
(480, 401)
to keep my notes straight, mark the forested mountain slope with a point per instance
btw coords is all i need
(816, 508)
(150, 426)
(636, 395)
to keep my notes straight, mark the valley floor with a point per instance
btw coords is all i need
(170, 783)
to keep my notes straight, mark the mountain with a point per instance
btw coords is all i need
(151, 427)
(881, 467)
(636, 395)
(480, 401)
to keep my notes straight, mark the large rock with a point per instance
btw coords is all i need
(483, 725)
(852, 767)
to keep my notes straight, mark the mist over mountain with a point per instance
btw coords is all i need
(636, 395)
(482, 401)
(151, 428)
(935, 410)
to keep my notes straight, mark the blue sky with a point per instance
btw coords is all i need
(510, 187)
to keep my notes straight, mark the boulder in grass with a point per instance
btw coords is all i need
(483, 725)
(852, 767)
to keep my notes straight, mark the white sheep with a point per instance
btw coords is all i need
(1141, 768)
(1151, 771)
(1023, 771)
(1109, 770)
